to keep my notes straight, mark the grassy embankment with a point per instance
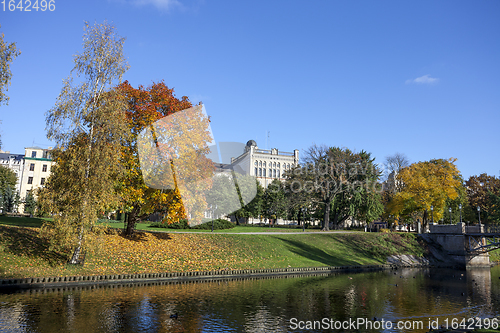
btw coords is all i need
(23, 253)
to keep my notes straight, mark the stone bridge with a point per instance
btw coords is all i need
(461, 245)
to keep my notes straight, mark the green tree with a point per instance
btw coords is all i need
(362, 200)
(223, 197)
(88, 124)
(494, 203)
(8, 52)
(478, 190)
(275, 200)
(8, 178)
(250, 194)
(30, 203)
(9, 198)
(336, 183)
(255, 208)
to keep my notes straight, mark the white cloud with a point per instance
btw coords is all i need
(426, 79)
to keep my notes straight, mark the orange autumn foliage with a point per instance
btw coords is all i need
(146, 106)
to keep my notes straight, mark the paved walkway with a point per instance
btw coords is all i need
(256, 233)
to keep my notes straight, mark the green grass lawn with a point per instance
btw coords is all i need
(37, 222)
(236, 229)
(23, 253)
(33, 222)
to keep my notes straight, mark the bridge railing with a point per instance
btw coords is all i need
(492, 229)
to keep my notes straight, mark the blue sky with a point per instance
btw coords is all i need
(420, 78)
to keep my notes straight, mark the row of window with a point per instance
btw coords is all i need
(45, 154)
(261, 172)
(271, 164)
(30, 180)
(32, 167)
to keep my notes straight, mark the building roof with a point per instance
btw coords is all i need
(251, 143)
(6, 156)
(35, 147)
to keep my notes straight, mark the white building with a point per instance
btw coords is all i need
(264, 164)
(31, 169)
(36, 169)
(15, 162)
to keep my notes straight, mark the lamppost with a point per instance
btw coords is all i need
(432, 214)
(460, 207)
(449, 209)
(479, 216)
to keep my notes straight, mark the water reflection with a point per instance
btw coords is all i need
(266, 305)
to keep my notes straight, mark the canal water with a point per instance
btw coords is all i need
(403, 300)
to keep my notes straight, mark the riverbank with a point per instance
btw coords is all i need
(25, 254)
(78, 282)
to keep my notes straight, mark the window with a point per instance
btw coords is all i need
(260, 172)
(260, 163)
(270, 173)
(256, 163)
(264, 171)
(30, 180)
(274, 173)
(278, 173)
(32, 167)
(264, 164)
(278, 165)
(33, 154)
(44, 168)
(42, 181)
(256, 170)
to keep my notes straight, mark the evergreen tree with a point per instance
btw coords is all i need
(30, 203)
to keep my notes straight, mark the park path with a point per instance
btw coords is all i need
(260, 232)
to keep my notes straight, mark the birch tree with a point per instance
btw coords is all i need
(8, 52)
(88, 124)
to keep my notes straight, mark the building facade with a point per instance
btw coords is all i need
(265, 165)
(36, 169)
(32, 169)
(15, 162)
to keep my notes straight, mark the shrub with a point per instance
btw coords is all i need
(182, 224)
(219, 224)
(384, 230)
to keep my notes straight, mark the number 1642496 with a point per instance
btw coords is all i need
(28, 5)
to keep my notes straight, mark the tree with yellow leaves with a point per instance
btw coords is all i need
(426, 184)
(88, 125)
(167, 170)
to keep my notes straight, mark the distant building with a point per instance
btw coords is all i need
(37, 166)
(32, 169)
(264, 164)
(15, 162)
